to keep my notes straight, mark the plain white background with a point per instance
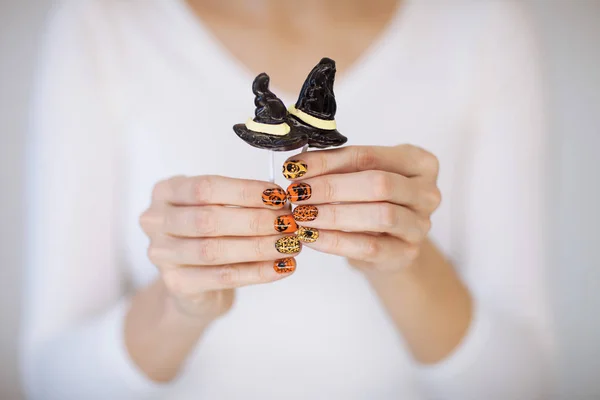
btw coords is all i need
(570, 38)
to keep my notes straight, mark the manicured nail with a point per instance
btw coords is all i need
(274, 197)
(284, 265)
(299, 192)
(305, 213)
(288, 245)
(307, 235)
(286, 224)
(294, 169)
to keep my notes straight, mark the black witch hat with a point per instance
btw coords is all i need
(315, 109)
(270, 128)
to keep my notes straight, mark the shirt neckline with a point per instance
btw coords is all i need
(200, 44)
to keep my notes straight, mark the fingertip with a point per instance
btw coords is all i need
(294, 168)
(274, 198)
(285, 266)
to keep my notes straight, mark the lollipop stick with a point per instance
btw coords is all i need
(271, 166)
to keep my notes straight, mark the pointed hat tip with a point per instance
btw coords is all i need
(327, 60)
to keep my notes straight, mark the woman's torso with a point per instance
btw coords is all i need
(320, 333)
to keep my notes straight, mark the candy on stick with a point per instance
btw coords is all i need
(269, 129)
(308, 123)
(314, 112)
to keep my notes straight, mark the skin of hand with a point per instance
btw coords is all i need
(208, 235)
(373, 205)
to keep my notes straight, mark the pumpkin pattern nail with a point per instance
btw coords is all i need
(274, 197)
(288, 245)
(307, 235)
(285, 265)
(305, 213)
(299, 192)
(294, 169)
(286, 224)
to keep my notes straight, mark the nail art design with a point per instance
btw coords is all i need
(288, 245)
(299, 192)
(294, 169)
(305, 213)
(307, 235)
(284, 265)
(274, 197)
(286, 224)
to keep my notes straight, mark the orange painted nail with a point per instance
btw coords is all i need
(305, 213)
(299, 192)
(286, 224)
(274, 197)
(285, 265)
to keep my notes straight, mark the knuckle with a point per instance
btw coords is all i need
(382, 185)
(160, 189)
(333, 215)
(335, 243)
(228, 275)
(255, 222)
(259, 249)
(372, 248)
(208, 250)
(174, 282)
(416, 233)
(246, 195)
(364, 158)
(433, 198)
(154, 254)
(147, 221)
(324, 163)
(387, 215)
(411, 252)
(328, 190)
(203, 221)
(428, 162)
(202, 189)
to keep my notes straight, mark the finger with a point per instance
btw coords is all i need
(366, 186)
(407, 160)
(365, 217)
(166, 250)
(189, 280)
(218, 190)
(376, 249)
(214, 221)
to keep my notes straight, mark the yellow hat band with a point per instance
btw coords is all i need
(313, 121)
(279, 129)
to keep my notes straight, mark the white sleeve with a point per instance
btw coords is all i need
(507, 352)
(74, 305)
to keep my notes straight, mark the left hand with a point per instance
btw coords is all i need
(369, 204)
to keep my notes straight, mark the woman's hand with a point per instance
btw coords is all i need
(369, 204)
(204, 248)
(373, 206)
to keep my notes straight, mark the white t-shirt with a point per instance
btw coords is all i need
(134, 91)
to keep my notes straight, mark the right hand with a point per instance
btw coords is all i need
(204, 249)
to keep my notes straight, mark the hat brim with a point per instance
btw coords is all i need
(260, 140)
(318, 138)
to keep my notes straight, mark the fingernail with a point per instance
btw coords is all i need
(284, 265)
(307, 235)
(294, 169)
(288, 244)
(305, 213)
(286, 224)
(274, 197)
(299, 192)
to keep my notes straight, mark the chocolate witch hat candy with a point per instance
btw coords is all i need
(315, 109)
(269, 129)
